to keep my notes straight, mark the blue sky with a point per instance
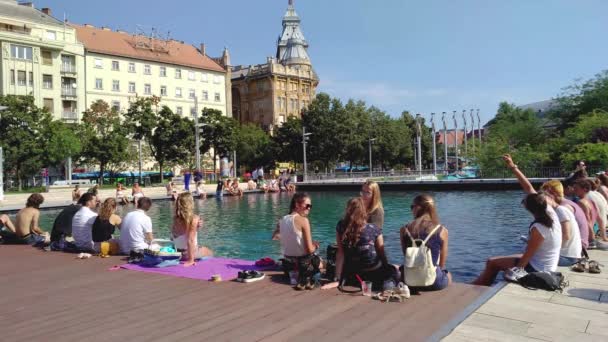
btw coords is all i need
(423, 56)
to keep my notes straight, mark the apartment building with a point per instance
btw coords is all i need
(41, 57)
(121, 67)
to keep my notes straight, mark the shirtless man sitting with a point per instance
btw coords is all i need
(27, 229)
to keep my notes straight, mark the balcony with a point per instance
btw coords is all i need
(69, 115)
(68, 91)
(68, 68)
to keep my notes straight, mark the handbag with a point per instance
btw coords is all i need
(418, 267)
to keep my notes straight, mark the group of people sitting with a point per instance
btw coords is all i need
(84, 226)
(566, 219)
(283, 183)
(360, 242)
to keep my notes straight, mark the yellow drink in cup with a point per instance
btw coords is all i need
(104, 249)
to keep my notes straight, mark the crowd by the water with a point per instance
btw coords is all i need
(569, 218)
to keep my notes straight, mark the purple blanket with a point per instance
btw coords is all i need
(204, 269)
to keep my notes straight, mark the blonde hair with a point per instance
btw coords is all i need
(426, 206)
(375, 202)
(107, 209)
(555, 188)
(184, 209)
(353, 222)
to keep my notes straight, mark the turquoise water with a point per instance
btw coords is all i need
(481, 224)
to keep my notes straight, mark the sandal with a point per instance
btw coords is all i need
(594, 267)
(580, 266)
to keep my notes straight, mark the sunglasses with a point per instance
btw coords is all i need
(308, 206)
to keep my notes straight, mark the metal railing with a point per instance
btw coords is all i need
(71, 68)
(68, 91)
(68, 115)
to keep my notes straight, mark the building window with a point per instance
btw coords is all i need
(47, 81)
(12, 77)
(116, 65)
(217, 79)
(205, 95)
(292, 104)
(191, 75)
(204, 77)
(48, 105)
(178, 73)
(217, 97)
(147, 89)
(116, 106)
(279, 103)
(163, 90)
(147, 69)
(51, 35)
(21, 52)
(98, 63)
(131, 67)
(191, 93)
(115, 85)
(179, 111)
(178, 92)
(47, 58)
(163, 72)
(21, 78)
(131, 87)
(31, 78)
(192, 111)
(98, 83)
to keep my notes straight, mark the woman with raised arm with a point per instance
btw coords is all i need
(544, 242)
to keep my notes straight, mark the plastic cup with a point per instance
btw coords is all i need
(293, 277)
(104, 248)
(367, 288)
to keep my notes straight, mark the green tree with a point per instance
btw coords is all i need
(426, 140)
(254, 147)
(288, 140)
(218, 132)
(104, 137)
(580, 99)
(586, 140)
(61, 141)
(20, 135)
(358, 130)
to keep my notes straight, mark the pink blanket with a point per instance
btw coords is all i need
(203, 270)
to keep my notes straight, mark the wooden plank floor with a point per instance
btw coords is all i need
(46, 296)
(516, 314)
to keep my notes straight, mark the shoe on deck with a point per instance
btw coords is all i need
(514, 274)
(250, 276)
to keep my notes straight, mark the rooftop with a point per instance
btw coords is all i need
(27, 12)
(119, 43)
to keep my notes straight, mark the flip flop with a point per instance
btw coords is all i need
(580, 266)
(594, 267)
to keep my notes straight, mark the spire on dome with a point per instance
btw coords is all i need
(292, 45)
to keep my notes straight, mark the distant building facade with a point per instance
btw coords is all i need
(267, 94)
(121, 67)
(41, 57)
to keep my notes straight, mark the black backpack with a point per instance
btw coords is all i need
(549, 281)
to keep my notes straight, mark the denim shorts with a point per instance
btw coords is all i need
(567, 261)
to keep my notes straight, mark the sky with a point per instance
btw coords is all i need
(422, 56)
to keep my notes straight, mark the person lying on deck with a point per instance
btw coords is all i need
(425, 220)
(185, 230)
(544, 240)
(136, 228)
(361, 251)
(294, 232)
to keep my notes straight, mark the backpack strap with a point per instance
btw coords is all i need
(430, 234)
(407, 231)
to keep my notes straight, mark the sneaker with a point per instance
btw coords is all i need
(592, 245)
(300, 287)
(251, 276)
(309, 285)
(514, 274)
(601, 245)
(403, 290)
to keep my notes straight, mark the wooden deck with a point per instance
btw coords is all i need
(48, 296)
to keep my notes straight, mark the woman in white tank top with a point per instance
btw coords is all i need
(293, 230)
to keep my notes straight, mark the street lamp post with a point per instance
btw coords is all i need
(445, 144)
(455, 138)
(472, 128)
(304, 139)
(2, 108)
(140, 162)
(419, 144)
(197, 141)
(434, 144)
(371, 140)
(479, 128)
(466, 147)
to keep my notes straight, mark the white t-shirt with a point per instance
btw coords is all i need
(547, 255)
(600, 203)
(133, 229)
(82, 227)
(571, 248)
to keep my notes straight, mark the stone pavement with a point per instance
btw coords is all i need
(63, 196)
(579, 314)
